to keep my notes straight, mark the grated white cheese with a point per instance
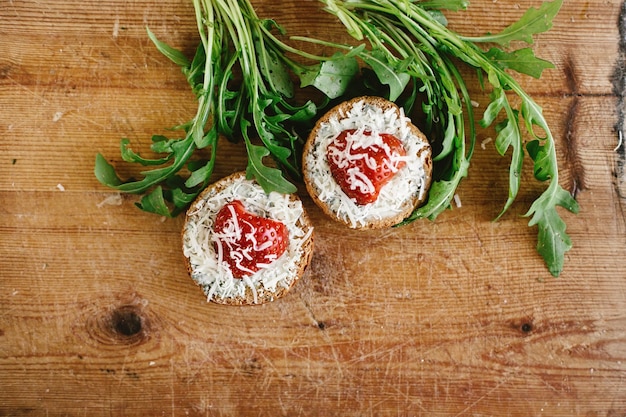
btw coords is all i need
(212, 272)
(394, 197)
(484, 142)
(354, 149)
(457, 200)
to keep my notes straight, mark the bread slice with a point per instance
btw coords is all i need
(407, 189)
(214, 277)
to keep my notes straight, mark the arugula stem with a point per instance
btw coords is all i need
(287, 48)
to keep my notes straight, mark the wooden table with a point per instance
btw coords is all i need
(459, 316)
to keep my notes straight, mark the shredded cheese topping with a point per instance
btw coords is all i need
(357, 144)
(208, 267)
(394, 197)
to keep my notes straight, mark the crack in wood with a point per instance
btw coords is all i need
(577, 182)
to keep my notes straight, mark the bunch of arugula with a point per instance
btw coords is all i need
(413, 56)
(411, 42)
(241, 77)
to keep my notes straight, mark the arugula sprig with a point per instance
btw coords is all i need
(241, 75)
(412, 39)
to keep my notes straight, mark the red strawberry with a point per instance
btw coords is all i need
(246, 241)
(362, 170)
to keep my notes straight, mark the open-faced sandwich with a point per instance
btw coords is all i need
(243, 246)
(366, 165)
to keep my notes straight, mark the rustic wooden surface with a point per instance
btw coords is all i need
(448, 318)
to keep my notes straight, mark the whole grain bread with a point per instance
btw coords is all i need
(337, 112)
(263, 295)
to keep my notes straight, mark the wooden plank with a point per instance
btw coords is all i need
(99, 317)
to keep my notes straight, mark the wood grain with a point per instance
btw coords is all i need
(448, 318)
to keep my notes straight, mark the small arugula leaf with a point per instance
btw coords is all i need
(440, 195)
(304, 113)
(552, 241)
(522, 60)
(270, 179)
(181, 200)
(105, 172)
(279, 151)
(533, 21)
(438, 17)
(183, 149)
(173, 54)
(161, 144)
(541, 155)
(208, 139)
(129, 156)
(275, 72)
(195, 70)
(230, 104)
(200, 138)
(272, 24)
(387, 73)
(509, 135)
(154, 202)
(200, 175)
(448, 139)
(493, 109)
(331, 77)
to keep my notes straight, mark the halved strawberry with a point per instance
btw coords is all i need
(362, 169)
(247, 242)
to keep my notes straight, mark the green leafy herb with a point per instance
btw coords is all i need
(242, 77)
(241, 74)
(407, 39)
(534, 21)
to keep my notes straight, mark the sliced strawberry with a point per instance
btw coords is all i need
(362, 169)
(246, 241)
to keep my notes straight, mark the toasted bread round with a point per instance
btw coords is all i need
(407, 189)
(213, 275)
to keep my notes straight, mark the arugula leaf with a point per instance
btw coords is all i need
(129, 156)
(105, 172)
(541, 155)
(448, 143)
(533, 21)
(174, 55)
(553, 240)
(274, 71)
(200, 175)
(154, 202)
(332, 77)
(508, 135)
(161, 144)
(440, 195)
(522, 60)
(387, 74)
(270, 179)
